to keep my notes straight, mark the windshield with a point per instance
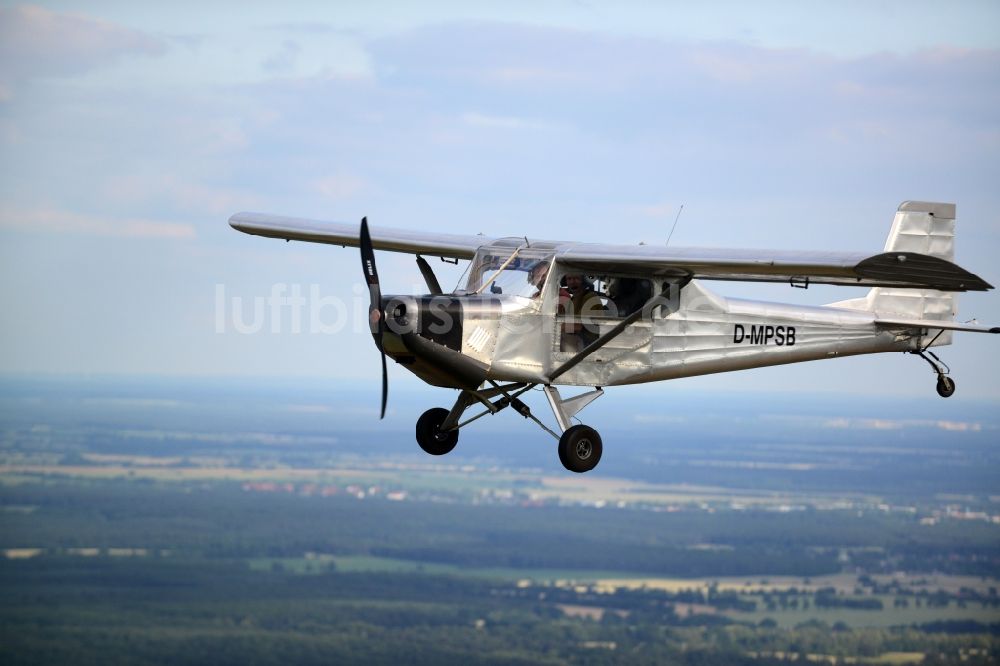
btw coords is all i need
(515, 271)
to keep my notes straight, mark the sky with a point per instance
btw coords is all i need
(130, 132)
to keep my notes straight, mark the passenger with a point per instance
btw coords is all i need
(630, 294)
(581, 302)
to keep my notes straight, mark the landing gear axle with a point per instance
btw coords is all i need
(945, 386)
(430, 437)
(580, 449)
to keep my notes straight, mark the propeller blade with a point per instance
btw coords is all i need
(371, 277)
(385, 386)
(432, 282)
(376, 318)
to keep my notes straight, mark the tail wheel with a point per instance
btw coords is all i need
(580, 449)
(429, 435)
(945, 386)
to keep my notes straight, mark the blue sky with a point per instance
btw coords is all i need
(129, 134)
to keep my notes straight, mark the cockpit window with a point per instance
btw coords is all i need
(618, 296)
(628, 293)
(515, 271)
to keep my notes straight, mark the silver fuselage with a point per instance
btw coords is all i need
(520, 339)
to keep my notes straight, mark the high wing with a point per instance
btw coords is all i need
(453, 246)
(887, 269)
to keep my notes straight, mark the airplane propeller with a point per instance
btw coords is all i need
(376, 317)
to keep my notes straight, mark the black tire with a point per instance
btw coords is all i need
(429, 435)
(945, 386)
(580, 449)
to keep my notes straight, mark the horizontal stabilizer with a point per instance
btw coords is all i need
(934, 324)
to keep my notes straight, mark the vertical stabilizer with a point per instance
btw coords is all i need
(925, 228)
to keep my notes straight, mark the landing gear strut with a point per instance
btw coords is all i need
(580, 446)
(945, 384)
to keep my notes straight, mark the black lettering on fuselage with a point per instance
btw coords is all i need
(765, 334)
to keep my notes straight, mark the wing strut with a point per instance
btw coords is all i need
(432, 282)
(603, 340)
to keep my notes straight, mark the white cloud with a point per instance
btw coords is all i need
(283, 60)
(159, 190)
(35, 42)
(657, 210)
(211, 136)
(48, 220)
(340, 186)
(528, 130)
(842, 423)
(501, 122)
(658, 418)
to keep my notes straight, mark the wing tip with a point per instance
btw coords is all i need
(236, 221)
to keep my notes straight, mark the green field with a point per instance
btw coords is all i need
(170, 540)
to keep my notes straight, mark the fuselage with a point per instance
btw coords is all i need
(514, 338)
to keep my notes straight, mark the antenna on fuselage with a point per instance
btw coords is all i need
(679, 211)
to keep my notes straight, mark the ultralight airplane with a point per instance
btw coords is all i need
(556, 313)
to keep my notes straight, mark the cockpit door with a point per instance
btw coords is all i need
(590, 306)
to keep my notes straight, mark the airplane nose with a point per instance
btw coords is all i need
(401, 314)
(437, 318)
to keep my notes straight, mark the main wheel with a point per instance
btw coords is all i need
(945, 386)
(429, 435)
(580, 449)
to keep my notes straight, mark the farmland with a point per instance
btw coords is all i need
(260, 543)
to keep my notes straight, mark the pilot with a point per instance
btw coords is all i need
(537, 277)
(579, 301)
